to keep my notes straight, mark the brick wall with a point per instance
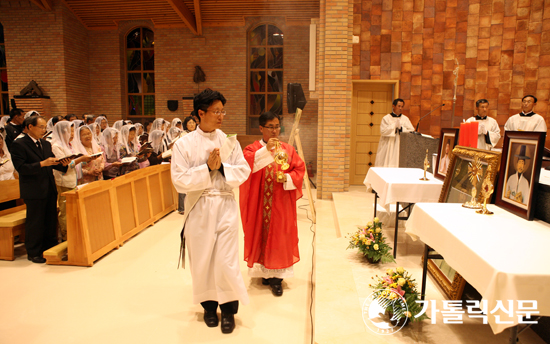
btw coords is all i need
(502, 48)
(34, 50)
(76, 63)
(335, 72)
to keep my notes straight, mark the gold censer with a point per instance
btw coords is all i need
(281, 158)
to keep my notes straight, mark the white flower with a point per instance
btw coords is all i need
(375, 247)
(400, 270)
(389, 272)
(362, 236)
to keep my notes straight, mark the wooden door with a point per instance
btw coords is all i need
(370, 102)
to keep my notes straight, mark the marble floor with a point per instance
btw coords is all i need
(137, 295)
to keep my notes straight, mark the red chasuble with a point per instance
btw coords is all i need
(268, 212)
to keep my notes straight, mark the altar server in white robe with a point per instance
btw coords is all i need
(526, 120)
(391, 127)
(208, 165)
(517, 187)
(488, 132)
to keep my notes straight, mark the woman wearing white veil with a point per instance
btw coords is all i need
(176, 123)
(102, 123)
(157, 139)
(96, 132)
(63, 133)
(77, 123)
(129, 147)
(111, 146)
(84, 143)
(158, 124)
(6, 168)
(118, 125)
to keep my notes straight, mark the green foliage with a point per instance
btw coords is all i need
(371, 242)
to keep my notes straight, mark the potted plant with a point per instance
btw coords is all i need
(371, 243)
(398, 285)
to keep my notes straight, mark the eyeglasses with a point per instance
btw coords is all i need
(218, 112)
(272, 128)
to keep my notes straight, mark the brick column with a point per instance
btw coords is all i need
(335, 70)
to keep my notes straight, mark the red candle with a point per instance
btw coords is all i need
(463, 134)
(474, 126)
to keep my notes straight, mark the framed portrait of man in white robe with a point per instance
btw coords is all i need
(520, 170)
(447, 141)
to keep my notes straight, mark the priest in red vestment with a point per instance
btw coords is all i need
(268, 206)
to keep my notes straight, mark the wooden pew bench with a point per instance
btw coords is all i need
(12, 220)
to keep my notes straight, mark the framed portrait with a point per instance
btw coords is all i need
(458, 188)
(520, 166)
(447, 142)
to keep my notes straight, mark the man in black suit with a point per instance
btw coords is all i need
(33, 159)
(15, 126)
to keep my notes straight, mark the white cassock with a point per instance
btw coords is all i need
(516, 185)
(493, 132)
(388, 147)
(212, 226)
(444, 164)
(530, 122)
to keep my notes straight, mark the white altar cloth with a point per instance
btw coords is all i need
(393, 184)
(503, 256)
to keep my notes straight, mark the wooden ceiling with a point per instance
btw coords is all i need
(194, 14)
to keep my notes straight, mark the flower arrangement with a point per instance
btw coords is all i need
(399, 284)
(370, 241)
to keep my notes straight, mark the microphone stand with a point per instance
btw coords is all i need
(417, 124)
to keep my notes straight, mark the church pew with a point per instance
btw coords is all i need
(102, 215)
(12, 220)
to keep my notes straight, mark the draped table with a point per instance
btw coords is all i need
(503, 256)
(401, 185)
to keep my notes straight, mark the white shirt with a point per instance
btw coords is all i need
(493, 131)
(525, 123)
(388, 147)
(517, 188)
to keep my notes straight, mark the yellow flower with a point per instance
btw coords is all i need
(393, 285)
(389, 272)
(408, 314)
(369, 242)
(378, 230)
(369, 224)
(401, 281)
(376, 220)
(400, 270)
(375, 247)
(362, 236)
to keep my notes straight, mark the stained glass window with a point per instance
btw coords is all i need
(4, 96)
(140, 76)
(265, 73)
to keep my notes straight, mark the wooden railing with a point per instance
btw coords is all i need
(101, 216)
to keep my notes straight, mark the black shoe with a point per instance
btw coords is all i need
(277, 289)
(265, 281)
(38, 260)
(211, 318)
(228, 323)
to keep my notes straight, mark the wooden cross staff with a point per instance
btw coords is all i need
(295, 134)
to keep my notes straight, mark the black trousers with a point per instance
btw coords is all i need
(228, 307)
(41, 224)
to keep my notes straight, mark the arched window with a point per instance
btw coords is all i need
(4, 96)
(140, 73)
(265, 73)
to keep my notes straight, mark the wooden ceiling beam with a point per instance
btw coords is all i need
(185, 15)
(39, 4)
(47, 4)
(198, 15)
